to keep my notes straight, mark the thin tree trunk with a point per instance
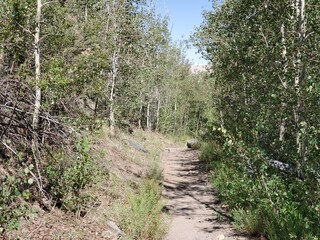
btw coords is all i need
(149, 123)
(140, 111)
(113, 76)
(86, 13)
(114, 68)
(284, 84)
(158, 111)
(300, 76)
(175, 115)
(37, 103)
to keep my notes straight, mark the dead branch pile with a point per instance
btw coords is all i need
(16, 111)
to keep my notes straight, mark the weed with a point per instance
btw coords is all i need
(249, 222)
(140, 217)
(154, 171)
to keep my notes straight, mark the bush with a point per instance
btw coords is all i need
(264, 201)
(154, 171)
(69, 177)
(210, 152)
(13, 190)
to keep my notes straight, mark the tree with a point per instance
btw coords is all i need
(262, 57)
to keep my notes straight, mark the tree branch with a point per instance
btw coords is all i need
(7, 146)
(46, 3)
(25, 30)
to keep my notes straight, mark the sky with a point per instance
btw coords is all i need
(184, 16)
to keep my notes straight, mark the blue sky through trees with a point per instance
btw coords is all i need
(184, 16)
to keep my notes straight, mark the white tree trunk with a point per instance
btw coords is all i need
(158, 110)
(86, 13)
(140, 111)
(37, 103)
(113, 77)
(175, 116)
(149, 123)
(300, 76)
(283, 80)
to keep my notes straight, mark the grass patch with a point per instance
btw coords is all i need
(154, 171)
(140, 217)
(249, 222)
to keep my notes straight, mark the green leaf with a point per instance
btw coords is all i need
(30, 181)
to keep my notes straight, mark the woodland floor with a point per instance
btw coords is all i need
(196, 212)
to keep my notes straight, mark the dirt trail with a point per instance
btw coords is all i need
(195, 211)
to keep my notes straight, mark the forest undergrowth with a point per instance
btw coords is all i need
(263, 200)
(116, 183)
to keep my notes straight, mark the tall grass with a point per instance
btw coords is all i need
(141, 216)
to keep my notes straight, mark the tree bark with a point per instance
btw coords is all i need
(113, 76)
(175, 116)
(149, 123)
(140, 111)
(37, 103)
(300, 76)
(283, 80)
(158, 110)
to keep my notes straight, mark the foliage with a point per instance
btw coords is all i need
(97, 59)
(69, 177)
(263, 64)
(153, 86)
(13, 194)
(154, 171)
(264, 201)
(210, 152)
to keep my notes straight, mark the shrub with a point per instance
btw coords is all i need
(13, 190)
(266, 202)
(210, 152)
(69, 177)
(234, 186)
(154, 171)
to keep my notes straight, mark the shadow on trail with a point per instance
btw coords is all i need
(191, 201)
(191, 181)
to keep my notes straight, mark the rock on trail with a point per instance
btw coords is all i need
(190, 200)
